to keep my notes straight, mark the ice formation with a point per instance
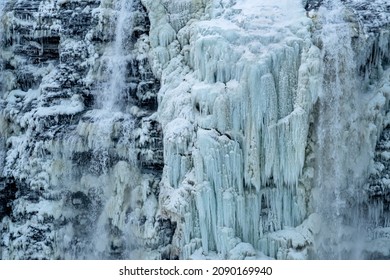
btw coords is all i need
(194, 129)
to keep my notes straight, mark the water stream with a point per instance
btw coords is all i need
(111, 118)
(118, 57)
(342, 159)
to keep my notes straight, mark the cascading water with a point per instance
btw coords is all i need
(341, 157)
(118, 58)
(108, 117)
(111, 95)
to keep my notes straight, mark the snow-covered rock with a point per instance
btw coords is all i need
(194, 129)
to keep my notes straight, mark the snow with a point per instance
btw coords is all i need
(242, 251)
(67, 107)
(385, 155)
(262, 120)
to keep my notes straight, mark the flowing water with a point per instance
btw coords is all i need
(110, 116)
(118, 57)
(341, 158)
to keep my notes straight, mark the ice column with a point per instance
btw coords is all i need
(250, 150)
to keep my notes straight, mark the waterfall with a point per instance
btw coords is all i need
(118, 57)
(341, 157)
(113, 94)
(111, 97)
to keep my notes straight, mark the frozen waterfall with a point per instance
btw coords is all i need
(156, 129)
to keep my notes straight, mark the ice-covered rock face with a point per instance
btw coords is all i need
(248, 128)
(83, 149)
(194, 129)
(239, 81)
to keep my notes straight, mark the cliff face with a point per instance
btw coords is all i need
(234, 110)
(73, 164)
(194, 129)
